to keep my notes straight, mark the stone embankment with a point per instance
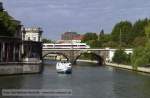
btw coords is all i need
(129, 67)
(20, 68)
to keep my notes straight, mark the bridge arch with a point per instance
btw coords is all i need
(97, 57)
(56, 53)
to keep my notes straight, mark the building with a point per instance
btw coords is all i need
(19, 54)
(32, 34)
(32, 43)
(10, 46)
(71, 36)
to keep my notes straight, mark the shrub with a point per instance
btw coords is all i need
(121, 57)
(141, 56)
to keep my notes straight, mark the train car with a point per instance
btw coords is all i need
(65, 46)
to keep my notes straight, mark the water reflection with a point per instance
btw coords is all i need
(129, 84)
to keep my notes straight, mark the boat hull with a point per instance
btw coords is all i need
(68, 71)
(64, 68)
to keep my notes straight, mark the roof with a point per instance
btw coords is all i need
(33, 30)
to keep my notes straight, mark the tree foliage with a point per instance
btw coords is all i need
(139, 41)
(89, 36)
(92, 40)
(124, 34)
(121, 57)
(147, 31)
(95, 43)
(139, 27)
(122, 31)
(45, 40)
(141, 55)
(8, 27)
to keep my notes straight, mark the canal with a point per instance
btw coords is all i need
(86, 81)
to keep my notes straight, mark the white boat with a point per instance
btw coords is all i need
(63, 67)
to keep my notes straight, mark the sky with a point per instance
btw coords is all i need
(58, 16)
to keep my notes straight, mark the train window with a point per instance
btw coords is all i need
(49, 45)
(81, 45)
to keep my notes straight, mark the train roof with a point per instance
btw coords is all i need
(65, 44)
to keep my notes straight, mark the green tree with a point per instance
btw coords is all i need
(110, 44)
(105, 38)
(89, 36)
(92, 40)
(141, 56)
(139, 41)
(121, 57)
(8, 26)
(122, 31)
(139, 27)
(147, 32)
(45, 40)
(94, 43)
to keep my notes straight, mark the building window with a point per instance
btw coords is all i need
(34, 38)
(28, 38)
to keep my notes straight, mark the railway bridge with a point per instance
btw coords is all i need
(72, 55)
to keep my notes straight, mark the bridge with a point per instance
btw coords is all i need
(72, 55)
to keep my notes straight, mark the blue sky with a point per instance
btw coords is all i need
(58, 16)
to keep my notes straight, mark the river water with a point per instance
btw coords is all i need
(85, 82)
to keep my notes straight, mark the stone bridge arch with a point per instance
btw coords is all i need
(73, 55)
(59, 53)
(97, 57)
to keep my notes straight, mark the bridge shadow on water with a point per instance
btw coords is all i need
(78, 63)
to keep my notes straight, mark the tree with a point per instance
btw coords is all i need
(45, 40)
(121, 57)
(139, 41)
(122, 32)
(89, 36)
(139, 27)
(110, 44)
(92, 40)
(95, 43)
(8, 26)
(105, 38)
(141, 55)
(147, 32)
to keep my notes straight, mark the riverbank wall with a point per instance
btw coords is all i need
(129, 67)
(89, 61)
(20, 68)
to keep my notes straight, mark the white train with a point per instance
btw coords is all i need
(65, 46)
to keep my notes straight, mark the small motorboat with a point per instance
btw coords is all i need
(64, 67)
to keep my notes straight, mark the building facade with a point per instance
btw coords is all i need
(32, 34)
(20, 52)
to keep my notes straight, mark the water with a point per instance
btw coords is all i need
(85, 82)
